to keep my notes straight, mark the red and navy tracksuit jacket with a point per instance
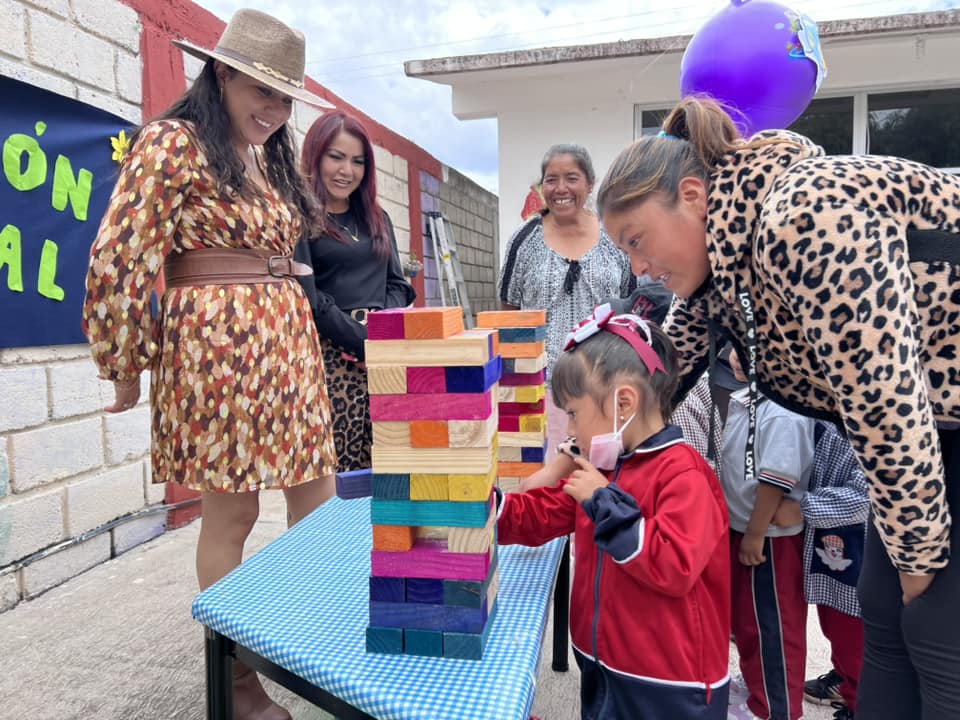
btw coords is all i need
(650, 605)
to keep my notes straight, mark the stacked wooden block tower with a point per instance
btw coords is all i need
(433, 403)
(523, 420)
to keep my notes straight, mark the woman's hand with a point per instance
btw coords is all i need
(584, 481)
(914, 586)
(751, 550)
(126, 395)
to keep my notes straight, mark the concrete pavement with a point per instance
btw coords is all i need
(118, 642)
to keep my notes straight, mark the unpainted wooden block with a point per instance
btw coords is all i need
(524, 365)
(391, 434)
(521, 439)
(387, 380)
(511, 318)
(472, 540)
(471, 347)
(433, 460)
(509, 484)
(521, 393)
(472, 433)
(510, 454)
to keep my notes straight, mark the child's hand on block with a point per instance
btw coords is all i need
(584, 481)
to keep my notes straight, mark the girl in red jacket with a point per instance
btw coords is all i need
(650, 608)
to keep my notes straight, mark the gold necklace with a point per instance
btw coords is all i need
(348, 231)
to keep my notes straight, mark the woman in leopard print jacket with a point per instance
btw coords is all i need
(839, 278)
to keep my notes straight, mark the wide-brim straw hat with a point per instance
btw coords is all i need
(264, 48)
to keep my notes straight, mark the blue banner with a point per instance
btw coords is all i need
(58, 172)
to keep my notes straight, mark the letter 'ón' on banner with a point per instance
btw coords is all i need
(56, 174)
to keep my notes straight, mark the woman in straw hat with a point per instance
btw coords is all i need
(211, 194)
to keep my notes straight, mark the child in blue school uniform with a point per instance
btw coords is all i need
(650, 605)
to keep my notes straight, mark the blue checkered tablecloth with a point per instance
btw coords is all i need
(302, 603)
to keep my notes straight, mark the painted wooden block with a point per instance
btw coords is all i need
(471, 593)
(472, 347)
(508, 424)
(388, 589)
(406, 615)
(509, 454)
(509, 484)
(429, 434)
(430, 559)
(534, 378)
(433, 406)
(385, 640)
(429, 487)
(434, 323)
(460, 619)
(427, 512)
(521, 393)
(472, 540)
(422, 380)
(434, 461)
(520, 469)
(521, 439)
(391, 434)
(386, 324)
(468, 646)
(518, 408)
(523, 334)
(387, 380)
(511, 318)
(471, 487)
(426, 643)
(421, 590)
(533, 454)
(524, 365)
(472, 433)
(391, 486)
(393, 538)
(473, 379)
(354, 484)
(522, 350)
(533, 423)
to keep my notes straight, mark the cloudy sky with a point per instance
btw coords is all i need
(357, 49)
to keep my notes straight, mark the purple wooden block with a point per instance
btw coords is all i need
(385, 325)
(426, 380)
(523, 379)
(533, 454)
(406, 615)
(423, 590)
(473, 379)
(457, 618)
(387, 589)
(355, 484)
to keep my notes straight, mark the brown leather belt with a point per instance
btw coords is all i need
(230, 266)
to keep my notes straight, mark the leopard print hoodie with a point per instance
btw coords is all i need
(853, 267)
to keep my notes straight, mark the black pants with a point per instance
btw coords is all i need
(911, 664)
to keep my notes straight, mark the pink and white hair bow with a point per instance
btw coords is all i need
(627, 327)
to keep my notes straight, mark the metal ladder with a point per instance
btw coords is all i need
(448, 264)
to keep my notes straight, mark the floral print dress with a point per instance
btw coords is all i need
(237, 392)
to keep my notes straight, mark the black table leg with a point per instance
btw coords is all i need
(219, 651)
(561, 612)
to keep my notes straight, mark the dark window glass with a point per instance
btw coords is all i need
(651, 121)
(921, 125)
(829, 123)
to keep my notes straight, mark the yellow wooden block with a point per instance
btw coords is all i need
(472, 433)
(521, 393)
(472, 540)
(387, 379)
(472, 487)
(521, 439)
(391, 434)
(471, 347)
(433, 461)
(428, 487)
(509, 484)
(533, 423)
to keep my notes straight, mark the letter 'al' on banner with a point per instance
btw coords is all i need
(58, 169)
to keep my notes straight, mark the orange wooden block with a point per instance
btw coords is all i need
(517, 469)
(394, 538)
(511, 318)
(434, 323)
(522, 350)
(429, 434)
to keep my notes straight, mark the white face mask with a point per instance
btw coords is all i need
(607, 448)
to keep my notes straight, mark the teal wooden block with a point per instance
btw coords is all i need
(469, 593)
(390, 487)
(523, 334)
(435, 513)
(428, 643)
(468, 646)
(385, 640)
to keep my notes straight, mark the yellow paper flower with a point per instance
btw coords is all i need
(121, 146)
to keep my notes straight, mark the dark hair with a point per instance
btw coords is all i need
(700, 131)
(603, 360)
(363, 200)
(579, 154)
(202, 106)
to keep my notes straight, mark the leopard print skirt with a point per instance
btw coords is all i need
(350, 408)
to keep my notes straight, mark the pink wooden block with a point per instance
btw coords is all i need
(429, 559)
(505, 423)
(426, 380)
(432, 406)
(523, 379)
(385, 324)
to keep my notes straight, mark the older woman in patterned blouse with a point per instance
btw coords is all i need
(562, 260)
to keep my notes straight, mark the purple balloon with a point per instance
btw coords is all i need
(760, 58)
